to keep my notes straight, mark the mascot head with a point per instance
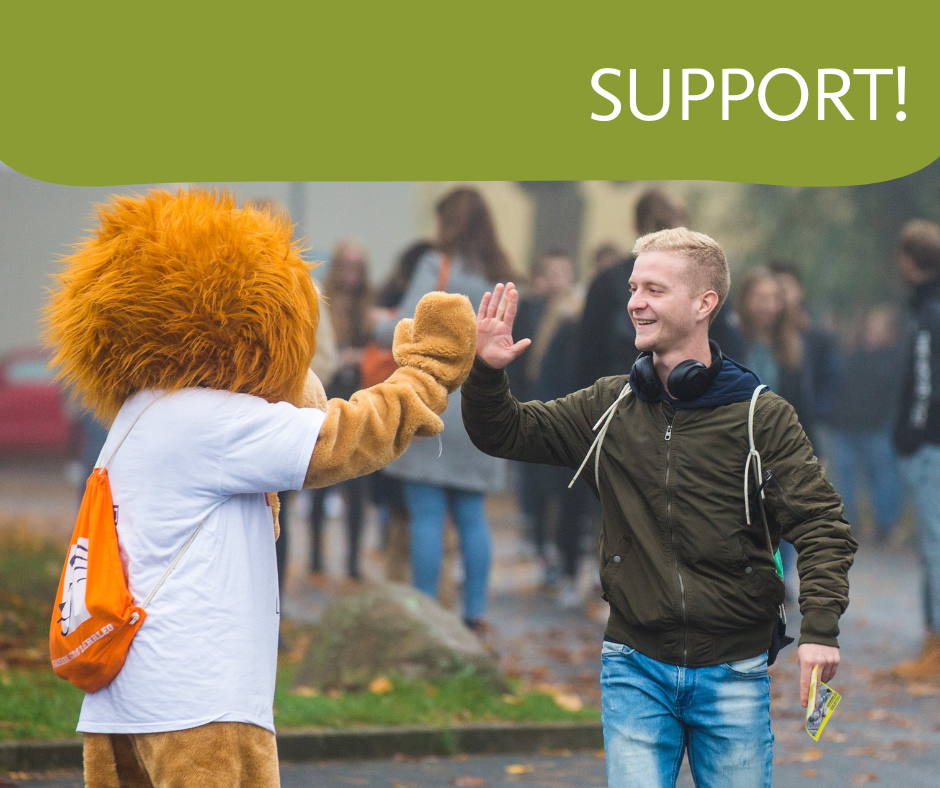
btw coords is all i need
(181, 290)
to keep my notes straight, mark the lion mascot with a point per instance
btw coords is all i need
(189, 324)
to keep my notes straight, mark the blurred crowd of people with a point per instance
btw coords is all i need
(844, 378)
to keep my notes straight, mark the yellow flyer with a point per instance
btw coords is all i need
(822, 702)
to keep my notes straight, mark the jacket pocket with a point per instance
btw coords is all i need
(612, 565)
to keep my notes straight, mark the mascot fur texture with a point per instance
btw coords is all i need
(185, 290)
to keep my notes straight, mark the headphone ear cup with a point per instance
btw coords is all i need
(688, 380)
(646, 378)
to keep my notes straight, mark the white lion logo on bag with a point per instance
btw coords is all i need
(72, 609)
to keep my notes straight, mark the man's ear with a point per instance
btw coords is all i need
(707, 303)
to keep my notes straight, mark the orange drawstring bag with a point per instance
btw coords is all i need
(95, 619)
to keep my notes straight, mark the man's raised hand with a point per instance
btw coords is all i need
(494, 327)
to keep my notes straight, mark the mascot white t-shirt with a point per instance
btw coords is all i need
(208, 648)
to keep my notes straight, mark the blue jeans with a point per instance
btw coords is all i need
(427, 506)
(653, 712)
(869, 458)
(921, 471)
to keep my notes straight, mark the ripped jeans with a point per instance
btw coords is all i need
(653, 712)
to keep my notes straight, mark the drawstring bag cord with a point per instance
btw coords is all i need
(607, 418)
(754, 455)
(135, 616)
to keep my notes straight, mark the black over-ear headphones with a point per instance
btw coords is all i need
(689, 379)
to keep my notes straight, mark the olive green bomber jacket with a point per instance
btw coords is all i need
(688, 581)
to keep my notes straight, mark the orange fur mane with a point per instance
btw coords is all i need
(181, 290)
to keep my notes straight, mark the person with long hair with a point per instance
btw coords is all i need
(451, 475)
(772, 339)
(772, 334)
(351, 298)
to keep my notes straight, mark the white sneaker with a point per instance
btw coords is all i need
(568, 595)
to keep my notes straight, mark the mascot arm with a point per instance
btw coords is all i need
(435, 352)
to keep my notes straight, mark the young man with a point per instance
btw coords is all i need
(691, 582)
(917, 434)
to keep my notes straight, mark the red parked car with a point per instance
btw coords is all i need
(33, 417)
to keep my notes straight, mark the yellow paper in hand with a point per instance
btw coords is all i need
(822, 702)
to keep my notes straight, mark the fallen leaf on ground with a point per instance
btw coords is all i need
(862, 752)
(919, 690)
(864, 778)
(469, 782)
(520, 768)
(380, 686)
(512, 700)
(569, 702)
(810, 773)
(913, 744)
(306, 692)
(810, 755)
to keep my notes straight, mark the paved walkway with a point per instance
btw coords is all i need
(882, 732)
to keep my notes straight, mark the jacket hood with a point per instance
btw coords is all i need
(734, 383)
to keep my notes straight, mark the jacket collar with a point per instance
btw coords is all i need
(734, 383)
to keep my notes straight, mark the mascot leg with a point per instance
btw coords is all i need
(110, 762)
(216, 755)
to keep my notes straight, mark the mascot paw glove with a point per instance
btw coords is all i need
(441, 340)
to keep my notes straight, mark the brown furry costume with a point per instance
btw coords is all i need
(186, 289)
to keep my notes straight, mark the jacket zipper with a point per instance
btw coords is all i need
(675, 555)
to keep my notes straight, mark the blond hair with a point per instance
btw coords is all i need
(708, 268)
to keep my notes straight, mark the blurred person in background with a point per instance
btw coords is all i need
(772, 348)
(917, 432)
(548, 373)
(350, 296)
(607, 338)
(450, 474)
(606, 256)
(324, 365)
(386, 491)
(819, 348)
(863, 455)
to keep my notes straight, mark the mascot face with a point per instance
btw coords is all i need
(181, 290)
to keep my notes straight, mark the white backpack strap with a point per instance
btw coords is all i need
(606, 418)
(752, 455)
(173, 563)
(128, 432)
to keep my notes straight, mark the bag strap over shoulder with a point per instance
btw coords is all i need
(173, 563)
(182, 551)
(753, 461)
(752, 455)
(128, 431)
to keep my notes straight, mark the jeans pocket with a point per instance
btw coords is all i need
(619, 649)
(755, 667)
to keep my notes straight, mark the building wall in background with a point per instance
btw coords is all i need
(39, 220)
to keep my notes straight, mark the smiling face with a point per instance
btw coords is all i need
(665, 311)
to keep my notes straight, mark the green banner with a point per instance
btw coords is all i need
(798, 93)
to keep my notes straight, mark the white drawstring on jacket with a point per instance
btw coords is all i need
(607, 418)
